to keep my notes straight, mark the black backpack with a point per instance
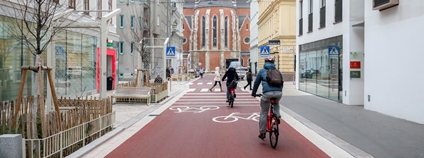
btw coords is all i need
(274, 78)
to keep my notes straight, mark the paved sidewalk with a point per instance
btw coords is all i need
(127, 119)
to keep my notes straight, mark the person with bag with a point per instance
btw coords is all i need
(249, 79)
(272, 87)
(232, 79)
(217, 79)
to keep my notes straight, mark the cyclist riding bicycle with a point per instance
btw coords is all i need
(268, 91)
(231, 74)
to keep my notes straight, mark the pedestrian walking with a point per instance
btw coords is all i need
(201, 71)
(249, 79)
(217, 79)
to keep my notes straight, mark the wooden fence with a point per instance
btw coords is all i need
(45, 128)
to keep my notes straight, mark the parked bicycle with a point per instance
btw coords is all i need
(272, 123)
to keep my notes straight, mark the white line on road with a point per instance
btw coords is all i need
(191, 90)
(200, 83)
(209, 83)
(204, 90)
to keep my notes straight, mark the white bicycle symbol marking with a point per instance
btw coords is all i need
(181, 109)
(233, 118)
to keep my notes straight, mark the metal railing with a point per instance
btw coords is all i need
(322, 17)
(70, 140)
(338, 11)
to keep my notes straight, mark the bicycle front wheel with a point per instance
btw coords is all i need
(274, 132)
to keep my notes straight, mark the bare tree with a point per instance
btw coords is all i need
(139, 30)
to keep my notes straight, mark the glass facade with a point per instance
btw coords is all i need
(75, 62)
(321, 74)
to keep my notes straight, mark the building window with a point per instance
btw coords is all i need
(121, 47)
(183, 26)
(99, 7)
(301, 18)
(122, 1)
(132, 48)
(132, 21)
(203, 31)
(247, 26)
(338, 11)
(322, 14)
(184, 40)
(132, 1)
(121, 75)
(71, 4)
(226, 31)
(310, 16)
(86, 6)
(215, 29)
(139, 22)
(121, 24)
(246, 40)
(158, 20)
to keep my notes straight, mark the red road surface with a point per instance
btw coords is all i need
(187, 129)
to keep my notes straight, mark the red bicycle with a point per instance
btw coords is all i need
(272, 123)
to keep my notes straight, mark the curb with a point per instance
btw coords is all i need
(81, 152)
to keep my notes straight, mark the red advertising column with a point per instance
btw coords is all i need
(109, 52)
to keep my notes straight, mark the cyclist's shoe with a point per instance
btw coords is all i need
(262, 136)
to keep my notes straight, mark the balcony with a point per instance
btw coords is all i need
(146, 3)
(322, 17)
(310, 21)
(300, 26)
(338, 11)
(145, 25)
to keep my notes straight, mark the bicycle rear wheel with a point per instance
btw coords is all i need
(274, 132)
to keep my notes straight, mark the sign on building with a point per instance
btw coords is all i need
(333, 51)
(264, 51)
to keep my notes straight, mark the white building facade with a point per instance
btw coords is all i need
(348, 51)
(177, 37)
(74, 48)
(393, 60)
(254, 51)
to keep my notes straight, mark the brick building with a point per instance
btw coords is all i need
(215, 31)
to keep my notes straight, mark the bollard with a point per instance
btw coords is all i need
(11, 145)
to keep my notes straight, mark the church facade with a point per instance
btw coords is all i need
(216, 32)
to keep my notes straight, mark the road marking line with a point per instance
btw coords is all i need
(209, 83)
(200, 83)
(191, 90)
(204, 90)
(217, 90)
(190, 83)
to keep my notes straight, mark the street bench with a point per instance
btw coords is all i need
(128, 94)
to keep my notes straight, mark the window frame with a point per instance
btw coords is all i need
(121, 47)
(226, 32)
(132, 21)
(121, 21)
(215, 31)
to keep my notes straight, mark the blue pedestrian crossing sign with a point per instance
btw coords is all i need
(333, 51)
(170, 51)
(264, 50)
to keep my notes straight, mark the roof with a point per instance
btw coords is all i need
(215, 3)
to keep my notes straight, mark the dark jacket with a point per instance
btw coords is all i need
(231, 74)
(249, 75)
(262, 77)
(168, 73)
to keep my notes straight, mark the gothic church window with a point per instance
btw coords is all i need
(226, 31)
(203, 31)
(214, 31)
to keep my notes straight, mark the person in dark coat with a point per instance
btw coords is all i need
(231, 75)
(168, 73)
(249, 79)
